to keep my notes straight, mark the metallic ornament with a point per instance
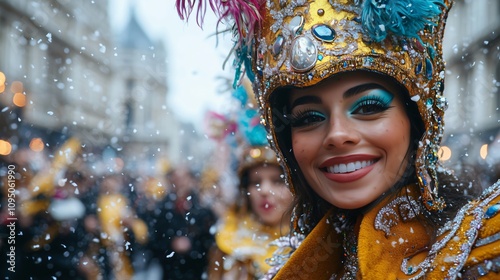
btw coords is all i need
(278, 44)
(296, 24)
(492, 211)
(323, 32)
(304, 54)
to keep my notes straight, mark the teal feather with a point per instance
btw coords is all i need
(254, 132)
(242, 64)
(398, 17)
(248, 120)
(241, 95)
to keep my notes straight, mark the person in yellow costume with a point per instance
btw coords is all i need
(261, 211)
(351, 93)
(116, 217)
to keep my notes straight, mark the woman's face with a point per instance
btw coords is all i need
(350, 136)
(269, 195)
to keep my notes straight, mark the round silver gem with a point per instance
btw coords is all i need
(304, 54)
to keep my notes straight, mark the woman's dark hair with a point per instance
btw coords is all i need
(456, 193)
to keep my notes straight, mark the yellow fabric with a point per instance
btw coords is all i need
(112, 211)
(43, 182)
(32, 207)
(318, 256)
(380, 255)
(377, 253)
(245, 239)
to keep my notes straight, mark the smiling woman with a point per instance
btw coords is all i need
(350, 136)
(351, 93)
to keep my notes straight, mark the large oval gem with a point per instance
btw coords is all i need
(492, 211)
(304, 54)
(278, 44)
(323, 32)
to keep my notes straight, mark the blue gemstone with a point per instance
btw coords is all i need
(323, 32)
(320, 57)
(481, 271)
(368, 61)
(492, 211)
(428, 68)
(418, 68)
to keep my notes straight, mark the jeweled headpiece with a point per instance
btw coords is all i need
(301, 42)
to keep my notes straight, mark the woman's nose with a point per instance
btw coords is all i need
(341, 132)
(265, 187)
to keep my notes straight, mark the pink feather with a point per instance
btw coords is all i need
(245, 13)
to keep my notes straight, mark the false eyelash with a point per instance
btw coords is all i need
(371, 100)
(294, 118)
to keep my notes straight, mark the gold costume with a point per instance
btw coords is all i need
(390, 239)
(244, 247)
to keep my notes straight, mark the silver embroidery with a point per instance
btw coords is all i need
(487, 240)
(402, 207)
(459, 260)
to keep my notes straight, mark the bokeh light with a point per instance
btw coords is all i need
(483, 151)
(444, 153)
(36, 144)
(19, 99)
(5, 148)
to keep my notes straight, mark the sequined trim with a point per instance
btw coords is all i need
(482, 269)
(405, 207)
(287, 245)
(487, 240)
(474, 209)
(350, 245)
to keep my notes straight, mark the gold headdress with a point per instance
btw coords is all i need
(301, 42)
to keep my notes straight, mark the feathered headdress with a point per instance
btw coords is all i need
(244, 124)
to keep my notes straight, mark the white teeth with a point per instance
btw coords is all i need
(342, 168)
(358, 164)
(350, 167)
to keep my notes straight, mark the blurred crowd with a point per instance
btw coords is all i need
(72, 221)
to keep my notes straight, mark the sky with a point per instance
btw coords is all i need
(195, 57)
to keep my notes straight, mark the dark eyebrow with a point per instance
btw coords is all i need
(361, 88)
(305, 100)
(348, 93)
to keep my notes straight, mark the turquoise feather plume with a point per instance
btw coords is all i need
(249, 124)
(398, 17)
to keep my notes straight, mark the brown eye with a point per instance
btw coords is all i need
(306, 118)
